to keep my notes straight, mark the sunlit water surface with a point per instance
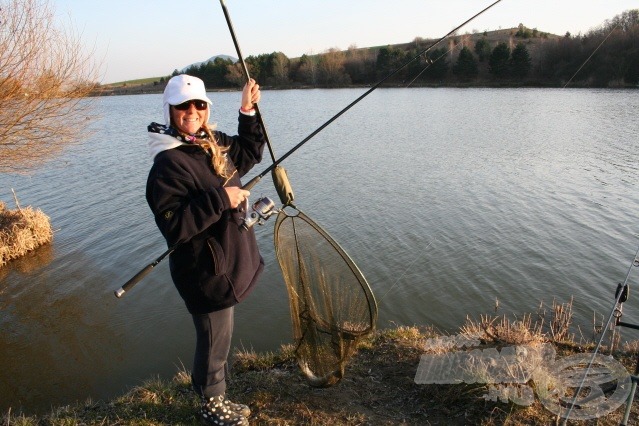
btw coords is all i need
(448, 200)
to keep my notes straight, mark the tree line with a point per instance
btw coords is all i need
(604, 57)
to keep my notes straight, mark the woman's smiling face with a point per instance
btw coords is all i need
(191, 119)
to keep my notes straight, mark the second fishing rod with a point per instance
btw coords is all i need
(276, 163)
(286, 194)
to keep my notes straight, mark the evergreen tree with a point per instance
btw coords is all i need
(439, 64)
(498, 62)
(482, 49)
(213, 73)
(631, 75)
(261, 65)
(523, 32)
(390, 58)
(520, 62)
(279, 71)
(307, 70)
(235, 74)
(466, 65)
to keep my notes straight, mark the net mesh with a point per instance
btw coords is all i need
(332, 305)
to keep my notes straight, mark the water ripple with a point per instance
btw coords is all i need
(447, 199)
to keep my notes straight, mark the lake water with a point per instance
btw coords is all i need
(447, 200)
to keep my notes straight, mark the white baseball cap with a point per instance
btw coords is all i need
(182, 88)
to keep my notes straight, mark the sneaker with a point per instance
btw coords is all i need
(238, 408)
(218, 411)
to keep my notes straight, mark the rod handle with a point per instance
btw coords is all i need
(251, 183)
(133, 281)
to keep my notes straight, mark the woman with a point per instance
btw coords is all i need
(194, 191)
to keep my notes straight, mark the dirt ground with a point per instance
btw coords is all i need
(379, 389)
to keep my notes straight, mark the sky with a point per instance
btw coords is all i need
(133, 39)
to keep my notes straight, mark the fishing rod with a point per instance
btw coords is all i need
(280, 179)
(251, 183)
(257, 178)
(328, 369)
(246, 74)
(591, 55)
(430, 63)
(620, 296)
(622, 289)
(143, 273)
(279, 174)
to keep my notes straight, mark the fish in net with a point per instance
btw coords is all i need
(332, 305)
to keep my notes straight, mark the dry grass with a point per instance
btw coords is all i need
(503, 331)
(561, 318)
(551, 325)
(248, 359)
(378, 389)
(21, 231)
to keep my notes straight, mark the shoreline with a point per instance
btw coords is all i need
(159, 88)
(378, 389)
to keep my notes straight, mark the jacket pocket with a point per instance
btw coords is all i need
(217, 256)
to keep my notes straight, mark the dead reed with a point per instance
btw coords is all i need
(21, 231)
(552, 325)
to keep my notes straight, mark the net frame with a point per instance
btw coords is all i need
(327, 325)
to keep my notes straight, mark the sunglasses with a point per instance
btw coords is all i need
(199, 105)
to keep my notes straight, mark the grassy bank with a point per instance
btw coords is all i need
(133, 87)
(379, 387)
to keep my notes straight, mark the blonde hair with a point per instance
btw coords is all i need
(218, 153)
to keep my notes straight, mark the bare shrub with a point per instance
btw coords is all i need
(45, 76)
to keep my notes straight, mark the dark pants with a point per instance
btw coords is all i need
(213, 334)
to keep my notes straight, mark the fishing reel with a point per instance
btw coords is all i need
(262, 209)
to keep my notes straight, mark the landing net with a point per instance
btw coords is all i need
(332, 305)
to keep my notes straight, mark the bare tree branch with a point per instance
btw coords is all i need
(45, 79)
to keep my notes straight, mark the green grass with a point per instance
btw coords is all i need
(138, 82)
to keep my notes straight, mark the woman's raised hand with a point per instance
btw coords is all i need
(250, 95)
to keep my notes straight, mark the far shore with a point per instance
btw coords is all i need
(151, 88)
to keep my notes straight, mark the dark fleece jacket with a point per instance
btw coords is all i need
(216, 262)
